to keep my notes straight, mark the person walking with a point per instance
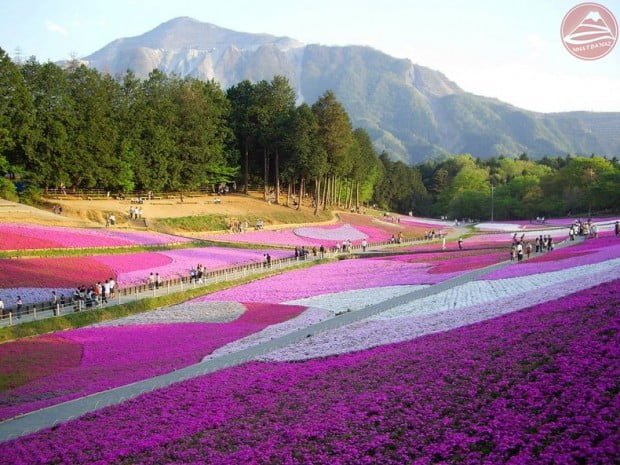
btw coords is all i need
(528, 250)
(460, 243)
(1, 308)
(519, 252)
(617, 228)
(18, 305)
(364, 245)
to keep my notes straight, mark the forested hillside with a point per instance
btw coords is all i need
(77, 128)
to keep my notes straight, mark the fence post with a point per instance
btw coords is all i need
(57, 309)
(10, 318)
(79, 305)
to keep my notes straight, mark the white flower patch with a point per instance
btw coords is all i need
(33, 295)
(499, 227)
(308, 317)
(189, 312)
(480, 292)
(460, 306)
(426, 221)
(356, 299)
(319, 309)
(342, 233)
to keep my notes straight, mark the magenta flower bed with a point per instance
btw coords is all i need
(588, 252)
(118, 355)
(28, 236)
(32, 358)
(534, 387)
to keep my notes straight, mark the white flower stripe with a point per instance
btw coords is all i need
(189, 312)
(462, 305)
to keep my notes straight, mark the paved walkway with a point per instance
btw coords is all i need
(50, 416)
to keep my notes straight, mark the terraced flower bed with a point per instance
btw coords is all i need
(536, 386)
(34, 278)
(23, 237)
(116, 355)
(355, 274)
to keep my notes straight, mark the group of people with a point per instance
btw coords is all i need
(238, 226)
(155, 281)
(520, 249)
(94, 295)
(197, 273)
(110, 220)
(135, 213)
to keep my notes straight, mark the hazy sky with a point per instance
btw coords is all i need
(509, 49)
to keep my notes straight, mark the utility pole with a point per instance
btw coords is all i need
(492, 200)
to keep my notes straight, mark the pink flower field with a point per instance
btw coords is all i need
(30, 236)
(537, 386)
(328, 236)
(588, 252)
(115, 355)
(353, 274)
(127, 269)
(63, 272)
(132, 269)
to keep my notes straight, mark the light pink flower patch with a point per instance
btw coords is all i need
(341, 232)
(135, 268)
(29, 236)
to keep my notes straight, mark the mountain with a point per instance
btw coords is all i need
(409, 110)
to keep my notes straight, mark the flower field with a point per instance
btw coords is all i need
(346, 275)
(132, 269)
(116, 355)
(535, 386)
(34, 278)
(517, 366)
(22, 236)
(328, 236)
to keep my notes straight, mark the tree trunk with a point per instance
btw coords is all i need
(288, 193)
(266, 166)
(317, 192)
(301, 192)
(350, 196)
(246, 167)
(277, 177)
(326, 192)
(357, 196)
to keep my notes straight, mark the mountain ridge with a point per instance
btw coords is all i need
(411, 111)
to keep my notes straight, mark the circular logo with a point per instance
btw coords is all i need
(589, 31)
